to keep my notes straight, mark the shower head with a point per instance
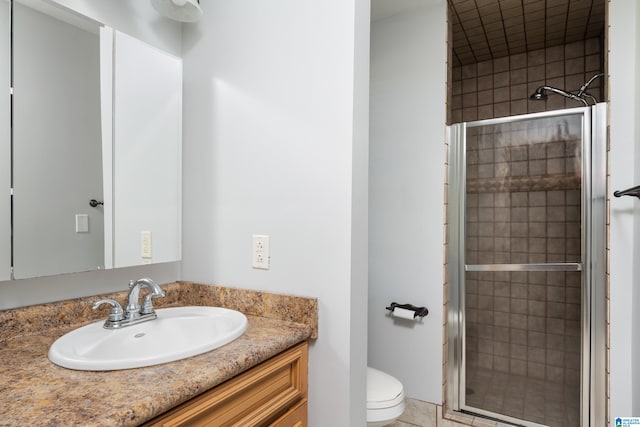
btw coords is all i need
(541, 94)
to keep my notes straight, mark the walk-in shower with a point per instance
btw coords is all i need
(526, 306)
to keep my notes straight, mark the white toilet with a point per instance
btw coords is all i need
(385, 398)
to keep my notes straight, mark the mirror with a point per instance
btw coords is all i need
(147, 149)
(5, 141)
(96, 116)
(57, 145)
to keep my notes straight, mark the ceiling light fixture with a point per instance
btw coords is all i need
(179, 10)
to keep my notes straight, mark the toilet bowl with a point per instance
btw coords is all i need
(385, 398)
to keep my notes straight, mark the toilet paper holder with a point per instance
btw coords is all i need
(418, 311)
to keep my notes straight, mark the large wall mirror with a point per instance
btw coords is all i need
(57, 142)
(5, 140)
(92, 163)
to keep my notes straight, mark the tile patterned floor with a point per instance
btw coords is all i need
(546, 403)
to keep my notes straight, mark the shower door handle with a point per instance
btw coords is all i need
(560, 266)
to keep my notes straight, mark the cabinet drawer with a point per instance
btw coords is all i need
(295, 417)
(257, 397)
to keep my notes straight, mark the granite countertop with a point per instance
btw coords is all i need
(35, 392)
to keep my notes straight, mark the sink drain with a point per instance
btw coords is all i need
(139, 335)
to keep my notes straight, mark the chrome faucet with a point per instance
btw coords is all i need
(133, 313)
(133, 309)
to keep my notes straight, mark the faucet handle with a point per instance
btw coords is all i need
(116, 313)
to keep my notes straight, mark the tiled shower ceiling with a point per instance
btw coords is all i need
(489, 29)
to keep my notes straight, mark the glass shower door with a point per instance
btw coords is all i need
(523, 199)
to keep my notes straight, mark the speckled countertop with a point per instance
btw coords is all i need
(35, 392)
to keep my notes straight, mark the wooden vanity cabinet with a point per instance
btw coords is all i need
(273, 394)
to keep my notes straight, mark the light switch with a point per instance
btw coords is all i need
(82, 223)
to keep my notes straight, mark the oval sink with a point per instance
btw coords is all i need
(177, 333)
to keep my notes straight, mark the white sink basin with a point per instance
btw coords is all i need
(177, 333)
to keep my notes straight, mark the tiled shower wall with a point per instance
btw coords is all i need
(501, 87)
(523, 207)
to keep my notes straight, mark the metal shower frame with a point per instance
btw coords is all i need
(594, 327)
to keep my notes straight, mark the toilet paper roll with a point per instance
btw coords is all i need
(403, 313)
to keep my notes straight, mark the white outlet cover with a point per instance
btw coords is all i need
(146, 244)
(260, 254)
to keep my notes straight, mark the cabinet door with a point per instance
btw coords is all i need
(274, 390)
(296, 417)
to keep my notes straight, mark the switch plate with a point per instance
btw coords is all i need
(145, 244)
(82, 223)
(260, 251)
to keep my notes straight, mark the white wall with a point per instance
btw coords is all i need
(140, 20)
(407, 135)
(624, 168)
(359, 218)
(274, 141)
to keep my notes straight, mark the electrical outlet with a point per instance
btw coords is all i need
(260, 252)
(145, 244)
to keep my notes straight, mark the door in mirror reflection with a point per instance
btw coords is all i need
(57, 144)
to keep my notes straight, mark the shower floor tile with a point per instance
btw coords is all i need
(525, 398)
